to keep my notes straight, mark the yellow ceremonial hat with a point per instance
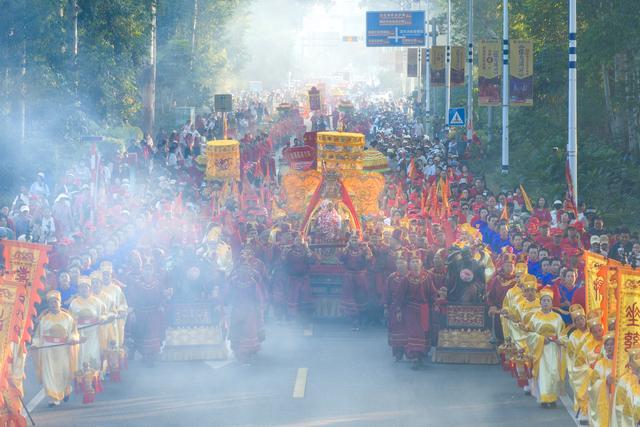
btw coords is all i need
(214, 234)
(106, 266)
(521, 268)
(529, 282)
(576, 311)
(611, 318)
(546, 292)
(54, 295)
(593, 322)
(609, 336)
(84, 280)
(634, 358)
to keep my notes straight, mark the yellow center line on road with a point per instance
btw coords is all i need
(301, 383)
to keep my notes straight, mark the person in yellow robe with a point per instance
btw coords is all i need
(625, 411)
(543, 344)
(572, 339)
(587, 354)
(55, 350)
(599, 385)
(89, 312)
(522, 309)
(512, 295)
(107, 331)
(113, 288)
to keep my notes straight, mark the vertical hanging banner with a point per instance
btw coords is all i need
(595, 281)
(458, 61)
(423, 62)
(437, 66)
(628, 315)
(521, 73)
(612, 284)
(412, 62)
(19, 287)
(489, 73)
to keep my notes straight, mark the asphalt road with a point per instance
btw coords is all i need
(322, 376)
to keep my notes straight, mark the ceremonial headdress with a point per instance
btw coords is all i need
(530, 282)
(546, 292)
(576, 311)
(609, 336)
(106, 266)
(84, 281)
(611, 320)
(54, 295)
(634, 358)
(593, 322)
(521, 268)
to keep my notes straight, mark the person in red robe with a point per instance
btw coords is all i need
(379, 273)
(148, 299)
(497, 289)
(419, 285)
(246, 299)
(355, 258)
(439, 277)
(298, 259)
(396, 289)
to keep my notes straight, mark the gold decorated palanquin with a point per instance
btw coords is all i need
(364, 190)
(223, 159)
(340, 151)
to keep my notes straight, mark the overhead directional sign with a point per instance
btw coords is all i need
(456, 117)
(395, 28)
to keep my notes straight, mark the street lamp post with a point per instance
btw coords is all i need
(572, 143)
(470, 75)
(447, 71)
(505, 87)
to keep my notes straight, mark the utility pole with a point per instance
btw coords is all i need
(572, 143)
(427, 73)
(470, 73)
(505, 87)
(447, 71)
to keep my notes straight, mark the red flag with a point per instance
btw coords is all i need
(446, 209)
(505, 213)
(411, 173)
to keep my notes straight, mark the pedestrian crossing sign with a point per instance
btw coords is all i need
(456, 117)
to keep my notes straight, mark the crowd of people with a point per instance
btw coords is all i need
(133, 233)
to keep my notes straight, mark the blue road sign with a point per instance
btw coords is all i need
(456, 117)
(395, 28)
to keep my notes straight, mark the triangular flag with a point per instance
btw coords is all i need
(527, 201)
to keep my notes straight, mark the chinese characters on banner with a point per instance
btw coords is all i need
(489, 73)
(437, 66)
(628, 315)
(458, 60)
(596, 283)
(521, 73)
(19, 287)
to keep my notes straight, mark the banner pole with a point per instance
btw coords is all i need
(572, 143)
(470, 75)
